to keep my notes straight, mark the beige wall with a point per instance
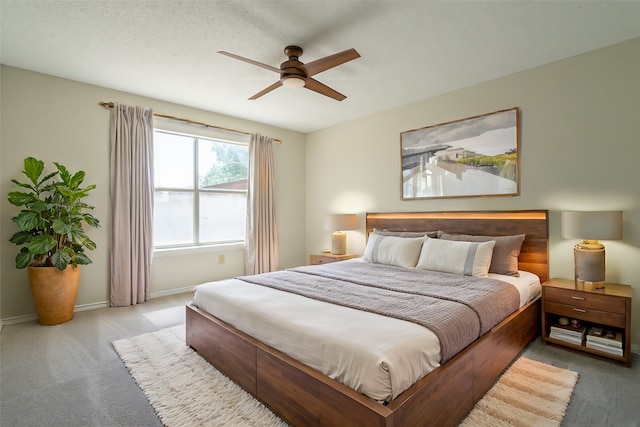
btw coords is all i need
(580, 150)
(60, 120)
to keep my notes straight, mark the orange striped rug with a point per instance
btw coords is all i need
(528, 394)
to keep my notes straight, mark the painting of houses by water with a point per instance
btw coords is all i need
(477, 156)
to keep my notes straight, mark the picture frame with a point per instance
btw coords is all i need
(474, 157)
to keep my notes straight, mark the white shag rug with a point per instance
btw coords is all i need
(185, 390)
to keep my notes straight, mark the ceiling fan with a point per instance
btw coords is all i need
(294, 73)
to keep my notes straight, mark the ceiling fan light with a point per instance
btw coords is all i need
(293, 81)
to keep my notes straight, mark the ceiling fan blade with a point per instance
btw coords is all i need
(323, 64)
(266, 90)
(322, 89)
(250, 61)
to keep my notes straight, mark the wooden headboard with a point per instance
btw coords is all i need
(534, 224)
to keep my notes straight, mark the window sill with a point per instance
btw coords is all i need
(190, 250)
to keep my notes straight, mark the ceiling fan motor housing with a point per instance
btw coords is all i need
(291, 67)
(293, 51)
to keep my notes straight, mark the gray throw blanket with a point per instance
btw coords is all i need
(457, 309)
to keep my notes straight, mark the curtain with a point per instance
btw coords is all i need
(131, 180)
(261, 241)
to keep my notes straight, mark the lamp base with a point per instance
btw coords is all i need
(339, 243)
(589, 286)
(589, 260)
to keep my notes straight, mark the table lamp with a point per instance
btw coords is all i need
(588, 254)
(339, 223)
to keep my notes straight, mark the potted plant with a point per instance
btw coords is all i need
(51, 236)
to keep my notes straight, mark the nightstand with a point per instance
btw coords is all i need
(609, 308)
(328, 257)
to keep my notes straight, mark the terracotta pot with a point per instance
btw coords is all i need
(54, 293)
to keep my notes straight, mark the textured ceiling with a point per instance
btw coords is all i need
(411, 50)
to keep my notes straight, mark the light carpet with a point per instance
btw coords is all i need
(185, 390)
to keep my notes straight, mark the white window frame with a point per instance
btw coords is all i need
(188, 130)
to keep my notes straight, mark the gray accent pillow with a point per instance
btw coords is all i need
(505, 252)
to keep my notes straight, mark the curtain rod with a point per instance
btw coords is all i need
(110, 105)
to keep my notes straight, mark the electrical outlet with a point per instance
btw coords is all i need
(220, 259)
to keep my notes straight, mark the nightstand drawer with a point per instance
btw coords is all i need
(591, 315)
(586, 300)
(319, 259)
(326, 258)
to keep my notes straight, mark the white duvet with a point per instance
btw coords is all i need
(376, 355)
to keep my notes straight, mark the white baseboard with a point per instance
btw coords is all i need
(30, 317)
(19, 319)
(84, 307)
(92, 306)
(166, 293)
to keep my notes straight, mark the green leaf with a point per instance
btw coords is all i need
(23, 258)
(28, 220)
(47, 188)
(64, 173)
(66, 192)
(39, 206)
(23, 185)
(61, 259)
(19, 198)
(91, 220)
(77, 236)
(46, 178)
(33, 169)
(62, 226)
(76, 179)
(41, 244)
(89, 244)
(82, 259)
(21, 237)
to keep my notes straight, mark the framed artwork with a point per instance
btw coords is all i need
(472, 157)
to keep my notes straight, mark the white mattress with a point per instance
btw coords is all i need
(373, 354)
(528, 285)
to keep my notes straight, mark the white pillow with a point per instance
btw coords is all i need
(451, 256)
(391, 250)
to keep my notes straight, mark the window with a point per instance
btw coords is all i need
(200, 190)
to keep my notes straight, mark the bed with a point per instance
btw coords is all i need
(304, 396)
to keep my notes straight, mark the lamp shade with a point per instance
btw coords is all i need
(342, 222)
(598, 225)
(589, 254)
(338, 223)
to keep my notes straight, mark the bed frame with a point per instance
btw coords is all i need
(304, 397)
